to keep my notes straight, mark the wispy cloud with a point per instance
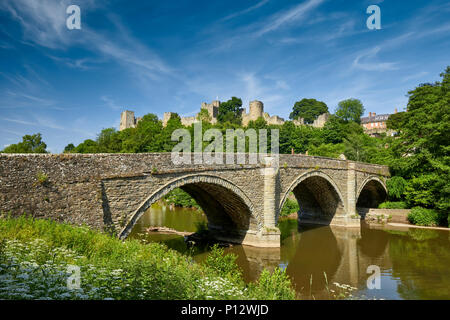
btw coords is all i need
(366, 61)
(44, 24)
(110, 103)
(294, 14)
(415, 76)
(249, 9)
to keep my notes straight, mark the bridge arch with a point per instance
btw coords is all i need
(371, 192)
(318, 196)
(226, 206)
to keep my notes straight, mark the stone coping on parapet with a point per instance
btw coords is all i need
(284, 161)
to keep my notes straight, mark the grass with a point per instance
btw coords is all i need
(35, 256)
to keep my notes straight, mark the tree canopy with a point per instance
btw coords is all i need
(350, 110)
(30, 144)
(230, 111)
(308, 109)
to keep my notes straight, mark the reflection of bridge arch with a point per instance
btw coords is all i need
(371, 192)
(318, 196)
(317, 252)
(226, 206)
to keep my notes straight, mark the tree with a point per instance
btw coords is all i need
(422, 148)
(230, 111)
(350, 110)
(308, 109)
(30, 144)
(109, 141)
(87, 146)
(69, 148)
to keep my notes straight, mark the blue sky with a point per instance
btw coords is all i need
(157, 56)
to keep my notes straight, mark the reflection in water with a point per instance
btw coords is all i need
(414, 264)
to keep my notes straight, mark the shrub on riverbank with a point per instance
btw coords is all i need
(393, 205)
(35, 256)
(290, 206)
(179, 198)
(426, 217)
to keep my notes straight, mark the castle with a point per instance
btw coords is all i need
(256, 111)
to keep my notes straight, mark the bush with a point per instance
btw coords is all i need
(393, 205)
(396, 187)
(272, 286)
(424, 217)
(179, 198)
(224, 265)
(290, 206)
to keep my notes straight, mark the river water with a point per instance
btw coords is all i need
(414, 263)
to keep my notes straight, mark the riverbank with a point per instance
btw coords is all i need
(37, 257)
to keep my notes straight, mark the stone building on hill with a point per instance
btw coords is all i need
(256, 111)
(376, 124)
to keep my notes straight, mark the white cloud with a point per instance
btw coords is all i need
(44, 24)
(110, 103)
(252, 8)
(289, 16)
(366, 61)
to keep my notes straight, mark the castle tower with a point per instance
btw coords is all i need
(127, 120)
(256, 109)
(213, 109)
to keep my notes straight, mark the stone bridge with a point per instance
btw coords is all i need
(241, 201)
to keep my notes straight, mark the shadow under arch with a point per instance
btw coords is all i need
(227, 208)
(371, 193)
(318, 197)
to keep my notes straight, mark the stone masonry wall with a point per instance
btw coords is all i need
(107, 191)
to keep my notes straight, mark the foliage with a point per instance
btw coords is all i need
(308, 109)
(30, 144)
(393, 205)
(42, 177)
(350, 110)
(327, 150)
(203, 115)
(35, 254)
(423, 217)
(290, 206)
(224, 265)
(272, 286)
(180, 198)
(421, 151)
(396, 187)
(230, 111)
(69, 148)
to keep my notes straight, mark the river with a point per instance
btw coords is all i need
(413, 262)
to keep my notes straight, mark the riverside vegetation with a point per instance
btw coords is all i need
(35, 254)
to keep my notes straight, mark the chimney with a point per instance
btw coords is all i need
(374, 114)
(395, 110)
(370, 114)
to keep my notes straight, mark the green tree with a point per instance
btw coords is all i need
(230, 111)
(422, 151)
(308, 109)
(109, 141)
(69, 148)
(350, 110)
(87, 146)
(30, 144)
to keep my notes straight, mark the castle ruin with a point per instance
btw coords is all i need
(256, 111)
